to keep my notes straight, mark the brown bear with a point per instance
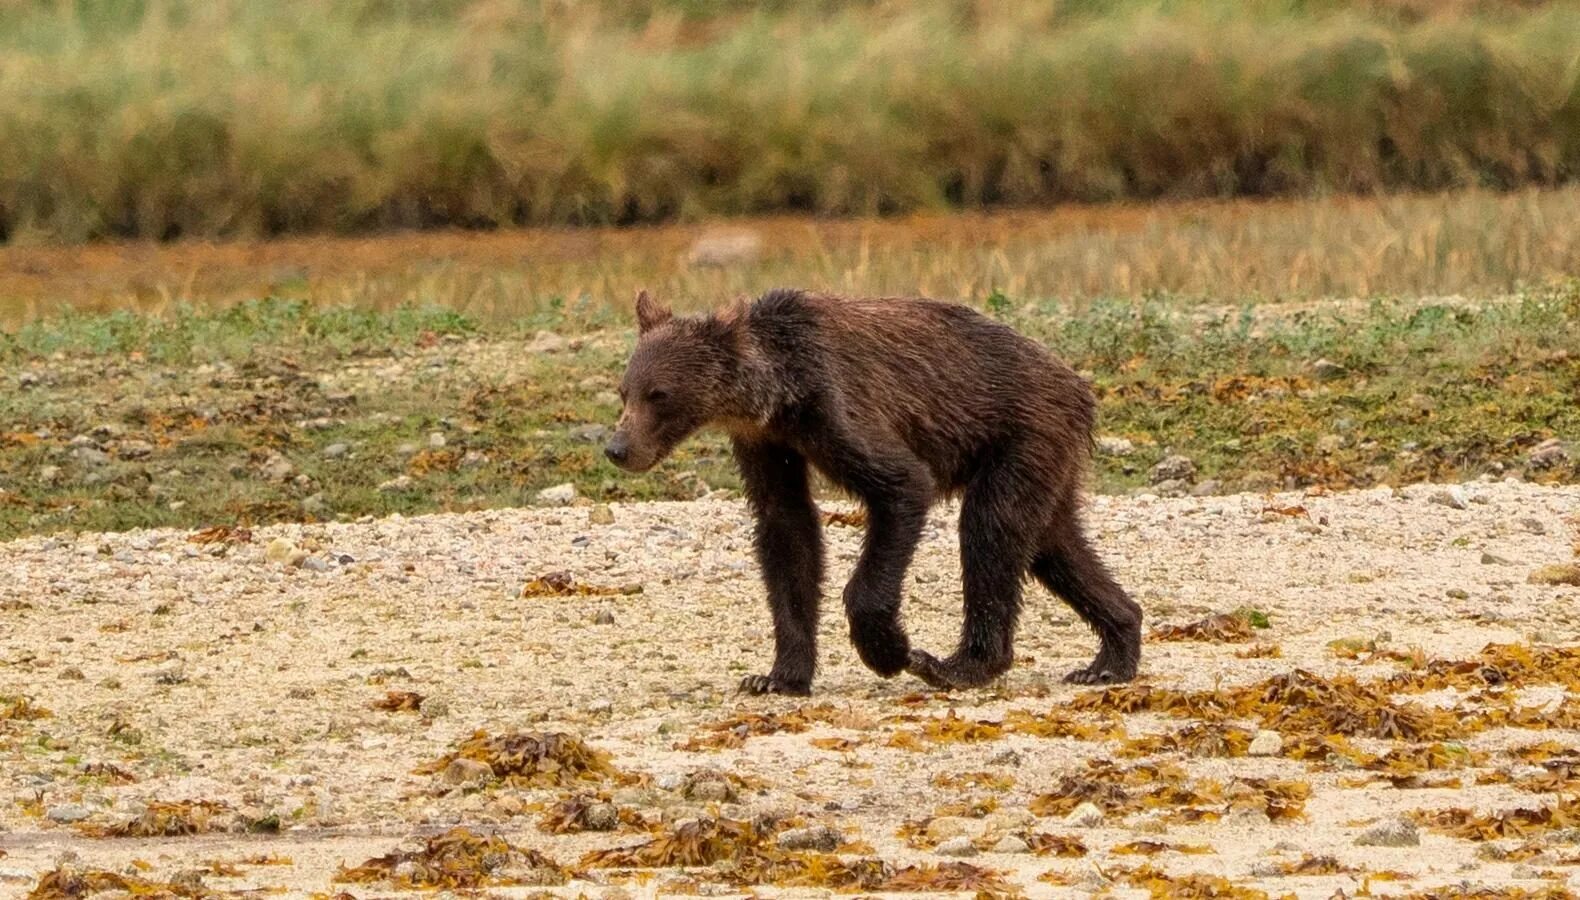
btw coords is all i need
(899, 402)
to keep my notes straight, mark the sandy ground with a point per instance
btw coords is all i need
(234, 678)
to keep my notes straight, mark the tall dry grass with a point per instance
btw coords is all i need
(1474, 243)
(165, 118)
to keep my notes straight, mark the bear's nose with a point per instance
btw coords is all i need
(617, 451)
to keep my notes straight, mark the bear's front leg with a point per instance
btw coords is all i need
(872, 598)
(789, 545)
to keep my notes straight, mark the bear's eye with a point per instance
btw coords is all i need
(657, 396)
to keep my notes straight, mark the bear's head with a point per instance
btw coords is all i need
(680, 378)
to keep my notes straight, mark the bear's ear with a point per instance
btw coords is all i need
(650, 313)
(729, 323)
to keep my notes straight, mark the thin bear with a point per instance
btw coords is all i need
(901, 403)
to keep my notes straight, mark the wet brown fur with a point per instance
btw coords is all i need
(900, 402)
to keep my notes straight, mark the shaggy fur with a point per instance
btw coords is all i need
(900, 402)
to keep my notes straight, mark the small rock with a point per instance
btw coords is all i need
(49, 474)
(1207, 488)
(398, 483)
(316, 505)
(72, 673)
(670, 782)
(316, 564)
(336, 450)
(1005, 758)
(558, 495)
(1562, 573)
(436, 440)
(28, 379)
(277, 468)
(600, 515)
(279, 550)
(1392, 833)
(960, 846)
(1266, 743)
(134, 450)
(1453, 497)
(467, 771)
(712, 790)
(1171, 487)
(1009, 843)
(603, 706)
(1108, 445)
(1174, 468)
(473, 458)
(604, 617)
(945, 828)
(1458, 594)
(1267, 869)
(1547, 454)
(547, 342)
(67, 813)
(818, 837)
(90, 456)
(1534, 526)
(1328, 370)
(433, 708)
(590, 434)
(1087, 815)
(601, 817)
(1492, 559)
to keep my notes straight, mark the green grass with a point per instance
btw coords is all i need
(223, 117)
(1430, 391)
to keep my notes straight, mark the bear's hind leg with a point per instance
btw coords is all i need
(1002, 512)
(1068, 566)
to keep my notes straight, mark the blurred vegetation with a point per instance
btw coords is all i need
(167, 118)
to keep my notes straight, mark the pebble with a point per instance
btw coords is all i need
(558, 495)
(1005, 758)
(433, 708)
(944, 828)
(1266, 743)
(337, 450)
(436, 440)
(590, 434)
(1009, 843)
(1548, 453)
(134, 450)
(90, 456)
(710, 790)
(547, 342)
(1173, 468)
(1392, 833)
(398, 483)
(604, 617)
(67, 813)
(1207, 488)
(600, 515)
(960, 846)
(1087, 815)
(279, 550)
(277, 468)
(1452, 497)
(1109, 445)
(1534, 526)
(1492, 559)
(601, 817)
(1328, 370)
(465, 771)
(818, 837)
(316, 564)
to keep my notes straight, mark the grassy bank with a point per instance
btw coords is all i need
(277, 410)
(161, 119)
(1473, 243)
